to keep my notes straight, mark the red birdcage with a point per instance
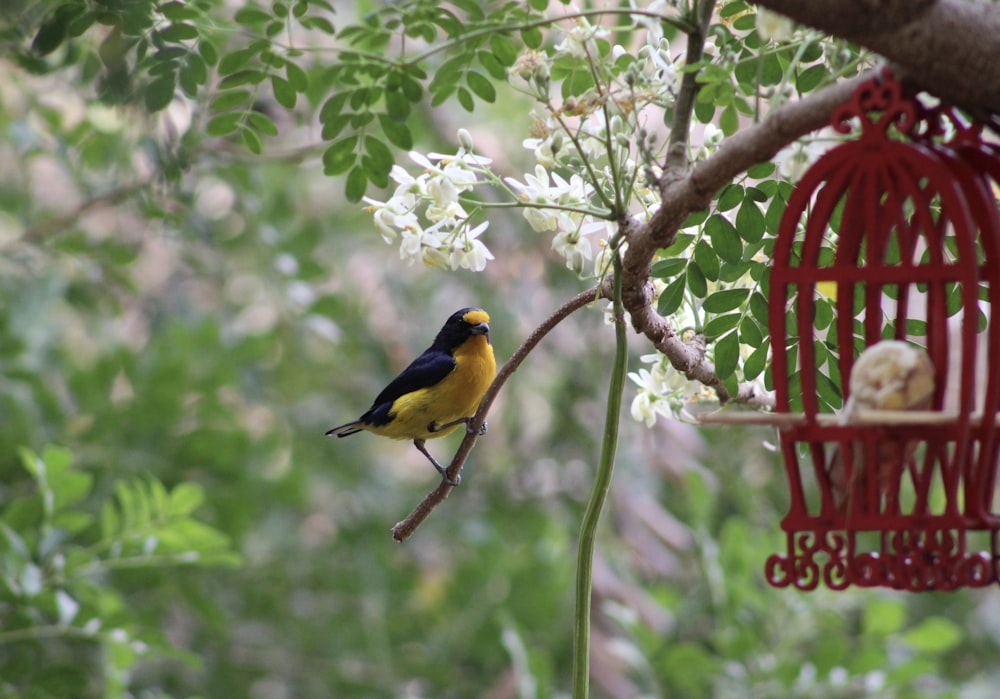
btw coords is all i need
(882, 497)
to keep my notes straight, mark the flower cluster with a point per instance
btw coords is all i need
(595, 133)
(662, 390)
(553, 204)
(434, 196)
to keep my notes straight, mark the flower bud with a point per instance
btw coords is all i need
(465, 139)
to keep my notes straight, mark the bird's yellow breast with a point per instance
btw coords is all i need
(455, 397)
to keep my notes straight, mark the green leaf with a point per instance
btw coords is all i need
(262, 123)
(340, 156)
(70, 488)
(297, 77)
(725, 300)
(52, 33)
(532, 37)
(193, 74)
(33, 464)
(729, 121)
(727, 355)
(935, 635)
(284, 93)
(493, 66)
(481, 86)
(185, 498)
(696, 281)
(251, 140)
(465, 99)
(707, 259)
(110, 521)
(242, 77)
(503, 49)
(397, 105)
(381, 156)
(160, 93)
(761, 170)
(754, 364)
(721, 324)
(223, 124)
(357, 182)
(664, 269)
(250, 15)
(178, 11)
(398, 133)
(207, 50)
(230, 99)
(730, 197)
(750, 221)
(811, 78)
(175, 33)
(671, 297)
(725, 240)
(828, 390)
(750, 332)
(234, 61)
(321, 24)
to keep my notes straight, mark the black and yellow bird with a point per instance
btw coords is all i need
(440, 390)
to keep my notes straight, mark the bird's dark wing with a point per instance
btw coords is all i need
(425, 371)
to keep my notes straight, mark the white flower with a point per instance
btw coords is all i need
(654, 28)
(642, 409)
(468, 251)
(711, 138)
(542, 148)
(772, 26)
(416, 242)
(572, 243)
(443, 196)
(574, 248)
(393, 216)
(794, 160)
(579, 42)
(649, 400)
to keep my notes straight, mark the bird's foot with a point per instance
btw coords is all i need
(453, 482)
(419, 444)
(481, 431)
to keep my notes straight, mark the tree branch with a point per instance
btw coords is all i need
(406, 527)
(680, 127)
(44, 229)
(947, 47)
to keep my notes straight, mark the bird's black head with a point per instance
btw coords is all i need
(460, 326)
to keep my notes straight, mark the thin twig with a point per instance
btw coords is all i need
(406, 527)
(680, 128)
(42, 230)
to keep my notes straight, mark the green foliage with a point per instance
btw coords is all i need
(57, 558)
(189, 307)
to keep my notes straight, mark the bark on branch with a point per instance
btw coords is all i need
(947, 47)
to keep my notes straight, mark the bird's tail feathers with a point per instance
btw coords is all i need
(345, 430)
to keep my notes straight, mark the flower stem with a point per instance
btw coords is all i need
(588, 529)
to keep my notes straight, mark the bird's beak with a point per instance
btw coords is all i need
(481, 329)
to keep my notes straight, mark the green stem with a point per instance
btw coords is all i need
(591, 518)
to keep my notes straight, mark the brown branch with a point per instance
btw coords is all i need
(406, 527)
(680, 127)
(43, 229)
(947, 47)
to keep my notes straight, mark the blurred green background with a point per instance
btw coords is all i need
(208, 328)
